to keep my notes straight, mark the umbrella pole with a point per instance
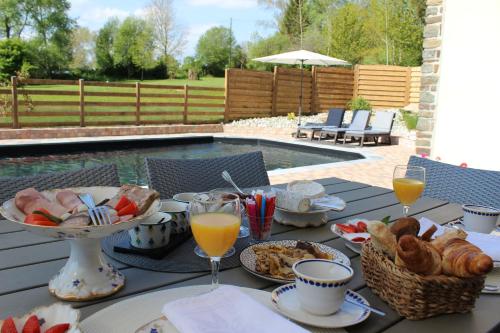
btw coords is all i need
(300, 97)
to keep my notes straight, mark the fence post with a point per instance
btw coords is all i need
(226, 95)
(14, 115)
(185, 112)
(356, 79)
(275, 91)
(313, 89)
(137, 103)
(408, 85)
(81, 86)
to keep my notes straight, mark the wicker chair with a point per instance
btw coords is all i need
(104, 175)
(459, 185)
(169, 176)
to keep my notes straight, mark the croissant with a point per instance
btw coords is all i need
(405, 226)
(426, 236)
(463, 259)
(440, 241)
(418, 256)
(382, 238)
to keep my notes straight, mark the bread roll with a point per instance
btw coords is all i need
(418, 256)
(382, 238)
(405, 226)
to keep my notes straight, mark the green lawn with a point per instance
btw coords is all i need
(163, 111)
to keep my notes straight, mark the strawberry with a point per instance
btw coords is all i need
(361, 226)
(358, 239)
(59, 328)
(32, 325)
(8, 326)
(347, 228)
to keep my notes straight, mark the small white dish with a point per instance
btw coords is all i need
(480, 218)
(321, 285)
(350, 243)
(179, 212)
(285, 300)
(185, 197)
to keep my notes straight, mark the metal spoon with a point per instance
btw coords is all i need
(366, 307)
(490, 287)
(227, 178)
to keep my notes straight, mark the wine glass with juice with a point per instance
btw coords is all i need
(408, 183)
(215, 223)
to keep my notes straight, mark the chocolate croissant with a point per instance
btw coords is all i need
(440, 241)
(382, 238)
(463, 259)
(418, 256)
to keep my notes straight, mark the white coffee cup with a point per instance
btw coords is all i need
(178, 211)
(153, 232)
(480, 218)
(321, 285)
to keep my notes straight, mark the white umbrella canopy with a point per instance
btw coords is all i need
(302, 57)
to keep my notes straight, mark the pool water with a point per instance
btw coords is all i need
(130, 162)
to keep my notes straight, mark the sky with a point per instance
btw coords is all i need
(196, 16)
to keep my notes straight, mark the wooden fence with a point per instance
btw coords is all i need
(260, 94)
(43, 103)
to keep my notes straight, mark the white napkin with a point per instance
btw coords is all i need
(225, 310)
(489, 244)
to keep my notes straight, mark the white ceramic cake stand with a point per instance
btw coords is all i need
(86, 275)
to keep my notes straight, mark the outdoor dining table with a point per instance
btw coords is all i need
(28, 261)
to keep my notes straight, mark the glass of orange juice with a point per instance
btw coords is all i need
(408, 183)
(215, 222)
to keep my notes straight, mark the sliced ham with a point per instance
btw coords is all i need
(30, 199)
(143, 197)
(76, 220)
(68, 199)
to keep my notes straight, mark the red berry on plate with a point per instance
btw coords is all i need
(8, 326)
(361, 226)
(32, 325)
(59, 328)
(347, 228)
(358, 239)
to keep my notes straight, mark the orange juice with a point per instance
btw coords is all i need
(407, 190)
(215, 233)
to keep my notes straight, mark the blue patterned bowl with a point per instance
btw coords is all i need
(321, 285)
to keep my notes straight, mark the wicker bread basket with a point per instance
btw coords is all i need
(415, 296)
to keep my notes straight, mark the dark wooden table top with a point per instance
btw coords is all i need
(28, 261)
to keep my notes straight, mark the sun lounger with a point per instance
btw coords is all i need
(381, 127)
(359, 123)
(334, 119)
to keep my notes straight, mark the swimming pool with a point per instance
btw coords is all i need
(129, 155)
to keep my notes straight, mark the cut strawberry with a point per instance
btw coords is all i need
(358, 239)
(347, 228)
(32, 325)
(124, 201)
(59, 328)
(8, 326)
(130, 209)
(361, 226)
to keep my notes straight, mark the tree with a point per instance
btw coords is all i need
(213, 50)
(261, 47)
(349, 39)
(14, 16)
(169, 37)
(104, 46)
(12, 57)
(296, 19)
(83, 47)
(133, 46)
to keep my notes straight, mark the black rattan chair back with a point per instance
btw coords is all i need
(459, 185)
(103, 175)
(172, 176)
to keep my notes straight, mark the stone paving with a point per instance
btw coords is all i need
(376, 172)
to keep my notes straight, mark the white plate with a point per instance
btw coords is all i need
(133, 314)
(99, 193)
(248, 257)
(339, 205)
(354, 246)
(286, 302)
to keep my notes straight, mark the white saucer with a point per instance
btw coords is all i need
(286, 302)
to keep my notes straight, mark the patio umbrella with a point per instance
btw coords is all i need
(302, 57)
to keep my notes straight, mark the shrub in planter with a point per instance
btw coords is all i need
(359, 103)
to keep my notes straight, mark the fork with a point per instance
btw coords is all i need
(98, 214)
